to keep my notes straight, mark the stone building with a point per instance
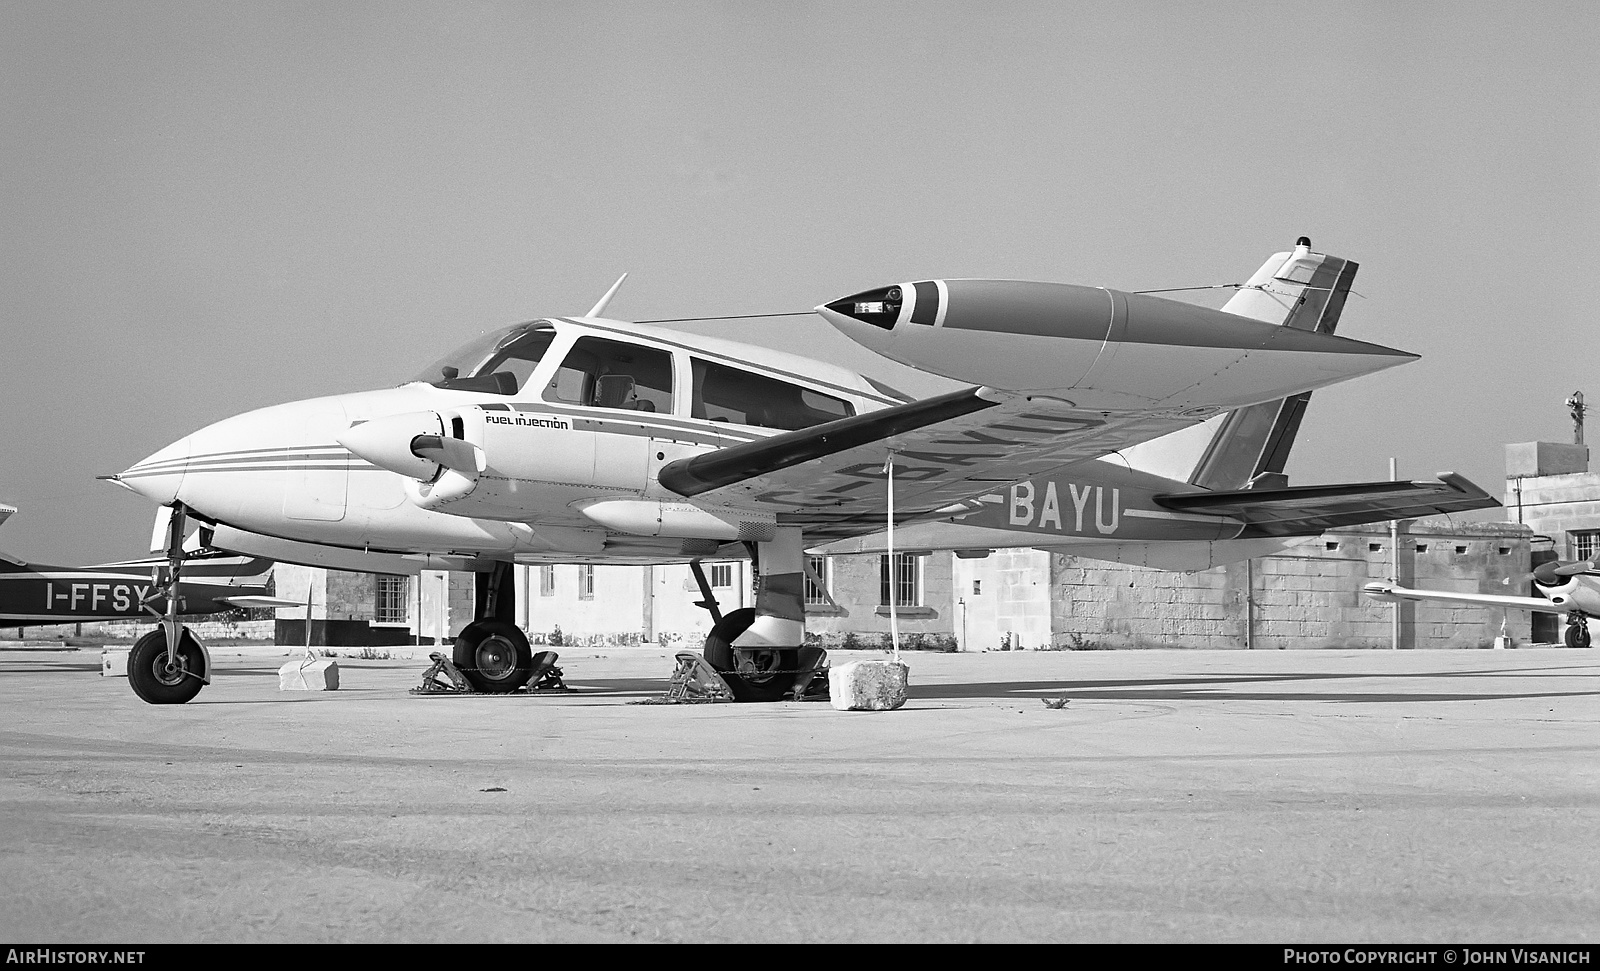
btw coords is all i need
(1308, 596)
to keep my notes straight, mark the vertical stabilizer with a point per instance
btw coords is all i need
(1298, 289)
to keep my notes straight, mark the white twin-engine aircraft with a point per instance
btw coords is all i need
(590, 440)
(1569, 588)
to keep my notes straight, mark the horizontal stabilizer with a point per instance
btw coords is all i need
(260, 602)
(1302, 510)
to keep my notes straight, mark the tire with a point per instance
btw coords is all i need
(1577, 636)
(751, 675)
(153, 682)
(494, 656)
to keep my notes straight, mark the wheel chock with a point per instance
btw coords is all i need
(546, 676)
(811, 684)
(695, 682)
(867, 686)
(309, 674)
(444, 678)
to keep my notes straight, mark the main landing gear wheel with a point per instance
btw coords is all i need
(158, 682)
(1577, 636)
(494, 656)
(764, 675)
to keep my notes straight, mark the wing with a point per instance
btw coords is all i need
(6, 511)
(829, 478)
(1393, 593)
(1305, 510)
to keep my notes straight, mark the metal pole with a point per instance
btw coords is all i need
(1250, 604)
(1394, 565)
(894, 568)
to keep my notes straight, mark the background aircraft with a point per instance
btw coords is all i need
(591, 440)
(32, 594)
(1569, 588)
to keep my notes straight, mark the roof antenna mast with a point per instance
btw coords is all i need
(600, 307)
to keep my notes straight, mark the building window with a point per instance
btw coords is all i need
(906, 577)
(586, 582)
(815, 595)
(547, 581)
(1585, 544)
(389, 600)
(722, 574)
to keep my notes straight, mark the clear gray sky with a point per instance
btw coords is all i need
(211, 207)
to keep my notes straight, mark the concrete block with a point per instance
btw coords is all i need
(113, 663)
(308, 675)
(867, 685)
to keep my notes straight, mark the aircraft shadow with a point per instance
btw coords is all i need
(1224, 688)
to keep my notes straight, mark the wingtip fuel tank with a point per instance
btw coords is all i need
(1099, 347)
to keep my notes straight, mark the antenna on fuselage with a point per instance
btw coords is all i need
(600, 307)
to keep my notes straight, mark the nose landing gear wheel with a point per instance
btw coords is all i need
(763, 675)
(159, 683)
(494, 656)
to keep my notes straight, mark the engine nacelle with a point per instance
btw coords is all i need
(649, 517)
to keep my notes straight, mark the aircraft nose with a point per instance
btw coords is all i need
(159, 477)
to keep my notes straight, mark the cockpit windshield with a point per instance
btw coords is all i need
(499, 362)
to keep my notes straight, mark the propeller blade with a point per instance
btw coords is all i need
(452, 453)
(1552, 573)
(158, 532)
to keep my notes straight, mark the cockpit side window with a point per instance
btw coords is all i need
(744, 398)
(497, 363)
(613, 374)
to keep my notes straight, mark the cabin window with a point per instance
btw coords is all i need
(496, 363)
(745, 398)
(612, 374)
(389, 600)
(906, 577)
